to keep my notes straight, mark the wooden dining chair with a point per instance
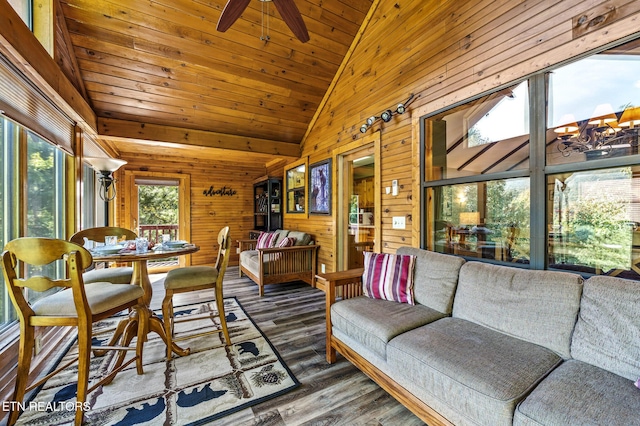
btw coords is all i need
(194, 278)
(74, 304)
(117, 275)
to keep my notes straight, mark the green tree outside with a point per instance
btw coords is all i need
(158, 205)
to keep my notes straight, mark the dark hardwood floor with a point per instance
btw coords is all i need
(292, 317)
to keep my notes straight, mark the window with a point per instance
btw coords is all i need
(40, 209)
(594, 220)
(23, 8)
(45, 189)
(485, 219)
(89, 199)
(484, 136)
(9, 187)
(601, 121)
(491, 184)
(45, 199)
(475, 208)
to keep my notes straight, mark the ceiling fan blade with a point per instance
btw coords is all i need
(230, 14)
(292, 17)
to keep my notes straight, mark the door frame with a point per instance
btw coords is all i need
(130, 219)
(340, 219)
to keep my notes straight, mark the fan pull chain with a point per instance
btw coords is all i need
(266, 37)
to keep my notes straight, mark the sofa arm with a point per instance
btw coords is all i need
(341, 285)
(244, 245)
(338, 286)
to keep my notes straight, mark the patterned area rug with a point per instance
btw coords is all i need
(211, 382)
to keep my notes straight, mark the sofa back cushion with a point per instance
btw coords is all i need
(435, 278)
(280, 235)
(607, 334)
(302, 238)
(537, 306)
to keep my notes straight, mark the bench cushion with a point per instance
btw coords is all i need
(537, 306)
(479, 372)
(577, 393)
(360, 319)
(607, 334)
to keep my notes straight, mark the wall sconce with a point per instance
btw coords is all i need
(104, 167)
(387, 114)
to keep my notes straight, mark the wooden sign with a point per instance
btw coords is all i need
(222, 191)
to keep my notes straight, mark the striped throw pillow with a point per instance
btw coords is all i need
(266, 240)
(389, 277)
(287, 242)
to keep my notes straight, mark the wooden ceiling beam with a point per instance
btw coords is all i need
(19, 44)
(64, 54)
(110, 128)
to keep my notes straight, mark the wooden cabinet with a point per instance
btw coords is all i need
(267, 213)
(364, 189)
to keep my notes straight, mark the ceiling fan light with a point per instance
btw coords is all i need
(386, 116)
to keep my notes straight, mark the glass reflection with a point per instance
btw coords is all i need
(487, 135)
(488, 220)
(594, 222)
(594, 108)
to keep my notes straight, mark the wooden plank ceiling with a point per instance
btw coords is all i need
(159, 70)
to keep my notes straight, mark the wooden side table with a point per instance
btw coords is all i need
(338, 285)
(337, 279)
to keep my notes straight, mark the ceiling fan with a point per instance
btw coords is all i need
(287, 8)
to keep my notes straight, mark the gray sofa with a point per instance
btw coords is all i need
(496, 345)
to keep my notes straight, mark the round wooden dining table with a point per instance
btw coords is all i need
(127, 328)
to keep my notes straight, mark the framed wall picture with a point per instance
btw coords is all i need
(295, 183)
(320, 187)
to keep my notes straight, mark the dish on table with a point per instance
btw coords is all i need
(175, 244)
(107, 249)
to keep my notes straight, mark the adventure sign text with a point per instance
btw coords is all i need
(222, 191)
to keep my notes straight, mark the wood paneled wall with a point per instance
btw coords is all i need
(445, 52)
(208, 214)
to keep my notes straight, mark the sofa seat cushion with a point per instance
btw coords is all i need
(480, 373)
(374, 322)
(578, 393)
(249, 259)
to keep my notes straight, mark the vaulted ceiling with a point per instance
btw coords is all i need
(159, 70)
